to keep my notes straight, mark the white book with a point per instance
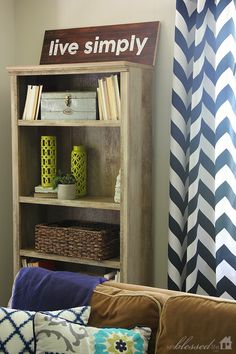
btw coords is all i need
(26, 101)
(112, 97)
(110, 276)
(35, 101)
(107, 103)
(117, 277)
(24, 262)
(31, 102)
(103, 98)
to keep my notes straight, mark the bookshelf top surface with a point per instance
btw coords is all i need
(118, 66)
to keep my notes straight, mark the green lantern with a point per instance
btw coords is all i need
(48, 160)
(79, 169)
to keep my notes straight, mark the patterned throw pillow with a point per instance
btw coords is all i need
(54, 335)
(16, 327)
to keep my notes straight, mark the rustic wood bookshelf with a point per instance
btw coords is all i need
(111, 145)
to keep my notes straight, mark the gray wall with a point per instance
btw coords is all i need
(33, 17)
(7, 32)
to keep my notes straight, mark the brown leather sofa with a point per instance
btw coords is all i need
(180, 322)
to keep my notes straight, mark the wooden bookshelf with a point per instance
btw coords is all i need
(111, 145)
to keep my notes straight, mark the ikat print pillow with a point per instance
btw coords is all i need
(57, 336)
(16, 327)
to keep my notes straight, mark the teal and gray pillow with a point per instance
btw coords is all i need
(55, 335)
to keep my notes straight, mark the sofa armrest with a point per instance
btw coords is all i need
(191, 323)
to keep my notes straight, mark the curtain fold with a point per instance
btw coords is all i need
(202, 213)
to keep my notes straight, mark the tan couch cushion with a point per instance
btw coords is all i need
(195, 324)
(113, 307)
(160, 294)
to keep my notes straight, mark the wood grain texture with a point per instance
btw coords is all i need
(69, 123)
(110, 263)
(106, 203)
(106, 43)
(69, 69)
(136, 177)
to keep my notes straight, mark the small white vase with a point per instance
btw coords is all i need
(66, 191)
(117, 189)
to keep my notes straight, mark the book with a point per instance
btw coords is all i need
(30, 109)
(110, 275)
(43, 263)
(38, 102)
(24, 262)
(45, 195)
(117, 94)
(48, 264)
(41, 189)
(28, 102)
(101, 86)
(106, 98)
(100, 110)
(117, 277)
(109, 98)
(112, 101)
(32, 102)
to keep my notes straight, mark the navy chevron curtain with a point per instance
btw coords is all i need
(202, 216)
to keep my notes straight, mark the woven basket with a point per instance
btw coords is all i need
(96, 241)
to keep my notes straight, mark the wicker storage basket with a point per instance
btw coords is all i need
(96, 241)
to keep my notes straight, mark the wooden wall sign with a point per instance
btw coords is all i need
(135, 42)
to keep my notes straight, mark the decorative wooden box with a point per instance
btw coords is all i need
(68, 105)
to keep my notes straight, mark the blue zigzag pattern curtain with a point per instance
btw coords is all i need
(202, 217)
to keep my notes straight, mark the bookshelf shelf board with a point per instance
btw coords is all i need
(69, 123)
(109, 263)
(106, 203)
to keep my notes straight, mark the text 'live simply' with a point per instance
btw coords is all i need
(134, 44)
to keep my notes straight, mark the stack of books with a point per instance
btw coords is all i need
(43, 263)
(108, 98)
(45, 192)
(32, 102)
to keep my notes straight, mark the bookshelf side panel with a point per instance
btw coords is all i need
(136, 177)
